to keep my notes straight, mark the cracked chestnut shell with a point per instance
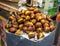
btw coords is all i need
(39, 30)
(21, 26)
(47, 29)
(27, 12)
(36, 10)
(27, 18)
(20, 20)
(40, 35)
(46, 24)
(12, 18)
(28, 24)
(31, 35)
(33, 21)
(52, 27)
(38, 24)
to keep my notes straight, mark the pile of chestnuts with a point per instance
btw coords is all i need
(30, 21)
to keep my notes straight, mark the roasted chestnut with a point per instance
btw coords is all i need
(39, 30)
(31, 35)
(40, 35)
(12, 18)
(48, 18)
(20, 20)
(9, 24)
(46, 24)
(28, 23)
(12, 29)
(16, 26)
(37, 14)
(13, 21)
(30, 28)
(51, 23)
(18, 32)
(52, 27)
(33, 27)
(31, 8)
(38, 24)
(25, 29)
(21, 26)
(23, 16)
(32, 12)
(33, 21)
(42, 21)
(36, 10)
(27, 18)
(6, 26)
(23, 11)
(47, 21)
(27, 12)
(32, 16)
(46, 29)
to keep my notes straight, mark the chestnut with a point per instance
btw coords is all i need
(39, 30)
(37, 15)
(27, 12)
(40, 18)
(47, 21)
(49, 18)
(51, 23)
(20, 20)
(52, 27)
(32, 16)
(38, 24)
(21, 26)
(32, 12)
(23, 16)
(6, 26)
(18, 32)
(33, 21)
(12, 18)
(12, 29)
(28, 24)
(27, 18)
(23, 11)
(30, 28)
(42, 21)
(40, 35)
(16, 26)
(25, 29)
(36, 10)
(9, 25)
(46, 29)
(31, 8)
(33, 27)
(46, 24)
(31, 35)
(13, 21)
